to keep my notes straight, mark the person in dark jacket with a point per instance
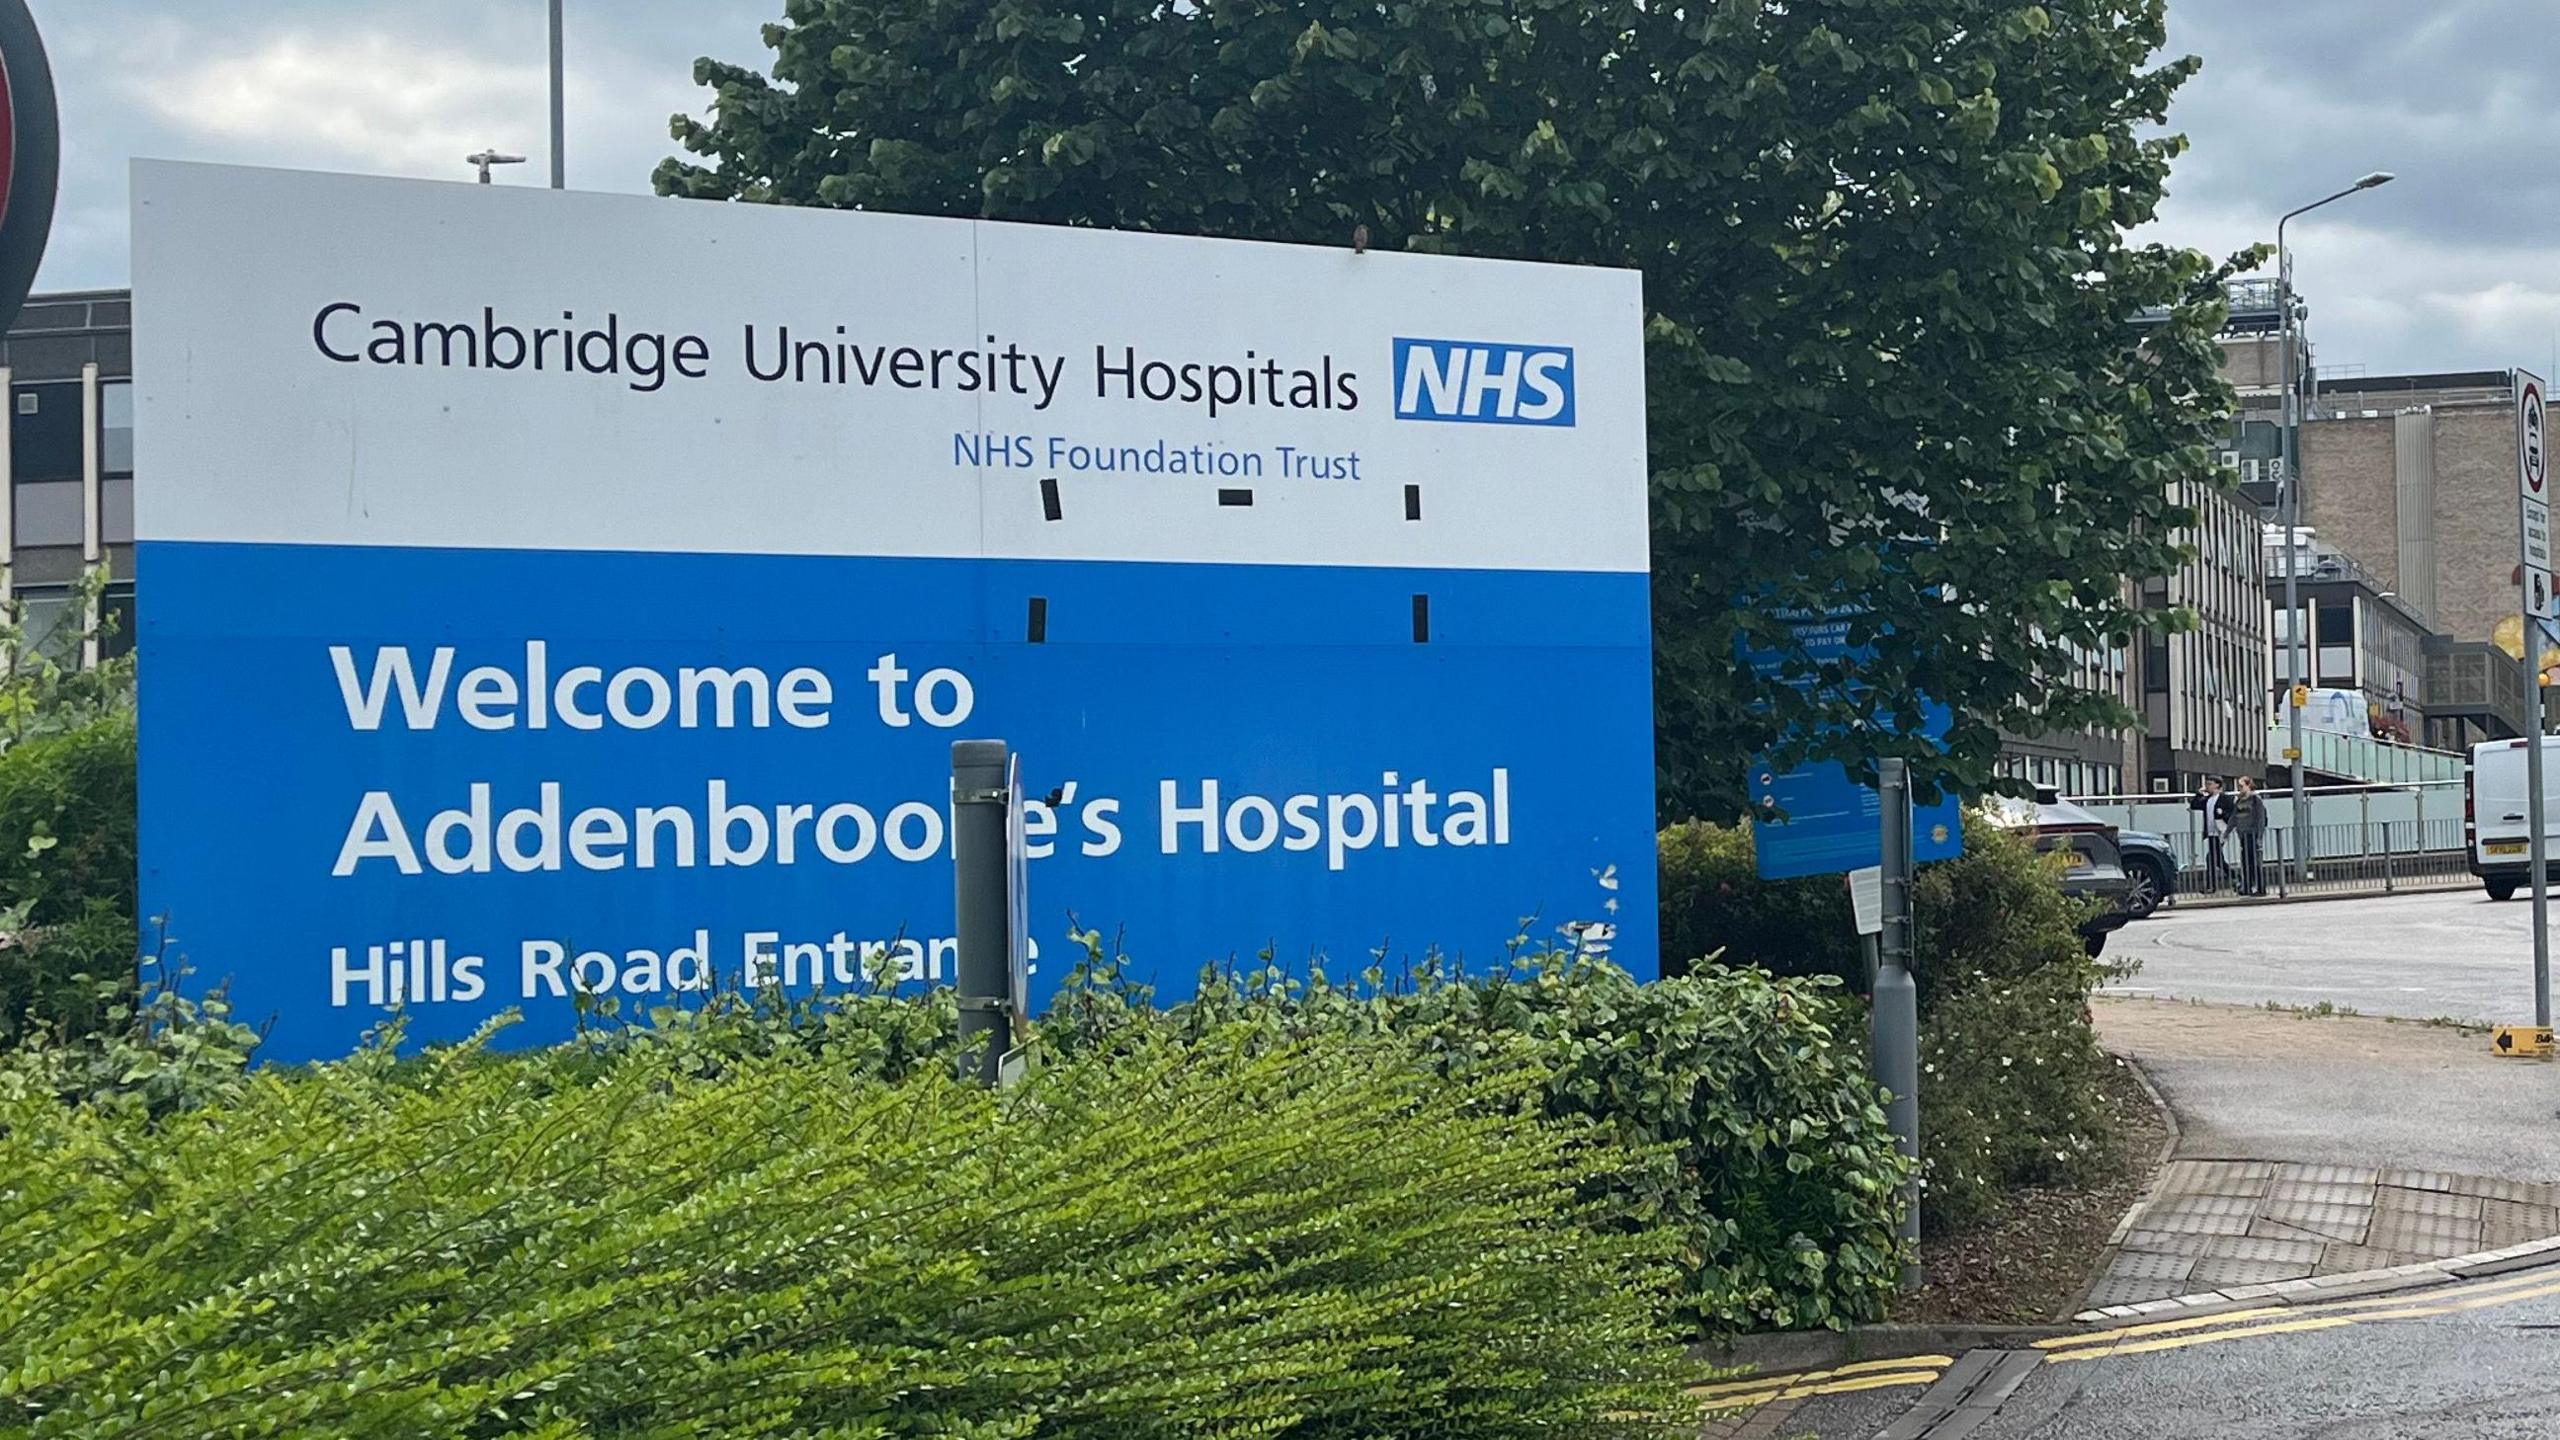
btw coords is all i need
(2213, 807)
(2249, 822)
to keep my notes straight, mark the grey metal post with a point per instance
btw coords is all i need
(2364, 828)
(1895, 1014)
(559, 103)
(2291, 496)
(2534, 817)
(980, 872)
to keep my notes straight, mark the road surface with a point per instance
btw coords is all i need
(2473, 1361)
(2451, 954)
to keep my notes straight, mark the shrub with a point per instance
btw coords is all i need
(1714, 903)
(2010, 1095)
(1750, 1131)
(67, 878)
(1150, 1240)
(2009, 1091)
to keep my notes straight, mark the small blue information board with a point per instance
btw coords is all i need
(1830, 822)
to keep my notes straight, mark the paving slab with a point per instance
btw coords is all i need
(2325, 1148)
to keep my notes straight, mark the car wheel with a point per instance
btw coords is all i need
(2150, 885)
(2501, 889)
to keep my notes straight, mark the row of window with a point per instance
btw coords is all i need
(2071, 777)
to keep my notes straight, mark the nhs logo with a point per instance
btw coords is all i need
(1484, 383)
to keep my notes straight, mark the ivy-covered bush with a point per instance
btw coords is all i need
(1227, 1238)
(2009, 1092)
(68, 936)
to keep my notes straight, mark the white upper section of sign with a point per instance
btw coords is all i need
(326, 359)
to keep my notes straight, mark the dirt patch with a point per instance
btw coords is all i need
(2032, 1261)
(2185, 1029)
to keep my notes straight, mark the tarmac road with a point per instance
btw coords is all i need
(2488, 1373)
(2451, 954)
(2472, 1361)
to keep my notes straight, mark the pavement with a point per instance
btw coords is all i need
(2446, 953)
(2256, 1084)
(2313, 1150)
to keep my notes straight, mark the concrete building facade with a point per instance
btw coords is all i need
(2415, 476)
(67, 368)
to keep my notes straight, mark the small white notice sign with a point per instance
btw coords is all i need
(1866, 896)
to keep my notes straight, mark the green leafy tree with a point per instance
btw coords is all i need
(1902, 358)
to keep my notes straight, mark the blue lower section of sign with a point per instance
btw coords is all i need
(463, 781)
(1834, 824)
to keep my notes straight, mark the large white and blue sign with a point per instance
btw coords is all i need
(557, 592)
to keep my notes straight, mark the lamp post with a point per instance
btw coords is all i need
(486, 158)
(559, 104)
(2290, 501)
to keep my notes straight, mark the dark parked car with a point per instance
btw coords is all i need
(2093, 867)
(2150, 867)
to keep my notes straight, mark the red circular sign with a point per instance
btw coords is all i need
(30, 154)
(2537, 458)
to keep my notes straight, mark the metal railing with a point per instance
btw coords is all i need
(2377, 838)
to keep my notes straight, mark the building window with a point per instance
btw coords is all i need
(49, 513)
(115, 621)
(46, 437)
(115, 511)
(51, 622)
(2335, 629)
(115, 409)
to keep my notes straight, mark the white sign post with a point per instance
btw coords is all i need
(2533, 573)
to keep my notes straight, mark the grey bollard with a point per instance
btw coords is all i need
(980, 869)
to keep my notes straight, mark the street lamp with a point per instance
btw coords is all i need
(486, 158)
(559, 103)
(2290, 500)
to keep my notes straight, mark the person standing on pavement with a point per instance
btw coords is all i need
(2214, 809)
(2249, 820)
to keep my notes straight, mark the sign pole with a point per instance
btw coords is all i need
(1896, 1007)
(2533, 578)
(981, 879)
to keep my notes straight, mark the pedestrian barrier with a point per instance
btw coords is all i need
(2359, 838)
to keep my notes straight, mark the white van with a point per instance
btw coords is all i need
(2494, 823)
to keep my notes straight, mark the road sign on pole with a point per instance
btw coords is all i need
(2533, 482)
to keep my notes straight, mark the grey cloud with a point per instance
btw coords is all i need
(2453, 267)
(382, 86)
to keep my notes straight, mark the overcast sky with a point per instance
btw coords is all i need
(2455, 267)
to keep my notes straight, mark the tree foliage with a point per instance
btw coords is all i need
(1902, 357)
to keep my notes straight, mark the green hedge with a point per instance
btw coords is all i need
(1753, 1133)
(2009, 1092)
(67, 878)
(1226, 1238)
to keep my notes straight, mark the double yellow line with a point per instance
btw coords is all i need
(1798, 1385)
(2295, 1319)
(2144, 1339)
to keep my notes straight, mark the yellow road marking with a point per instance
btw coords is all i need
(2465, 1290)
(2480, 1299)
(1755, 1383)
(2157, 1327)
(2175, 1342)
(1870, 1382)
(1799, 1390)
